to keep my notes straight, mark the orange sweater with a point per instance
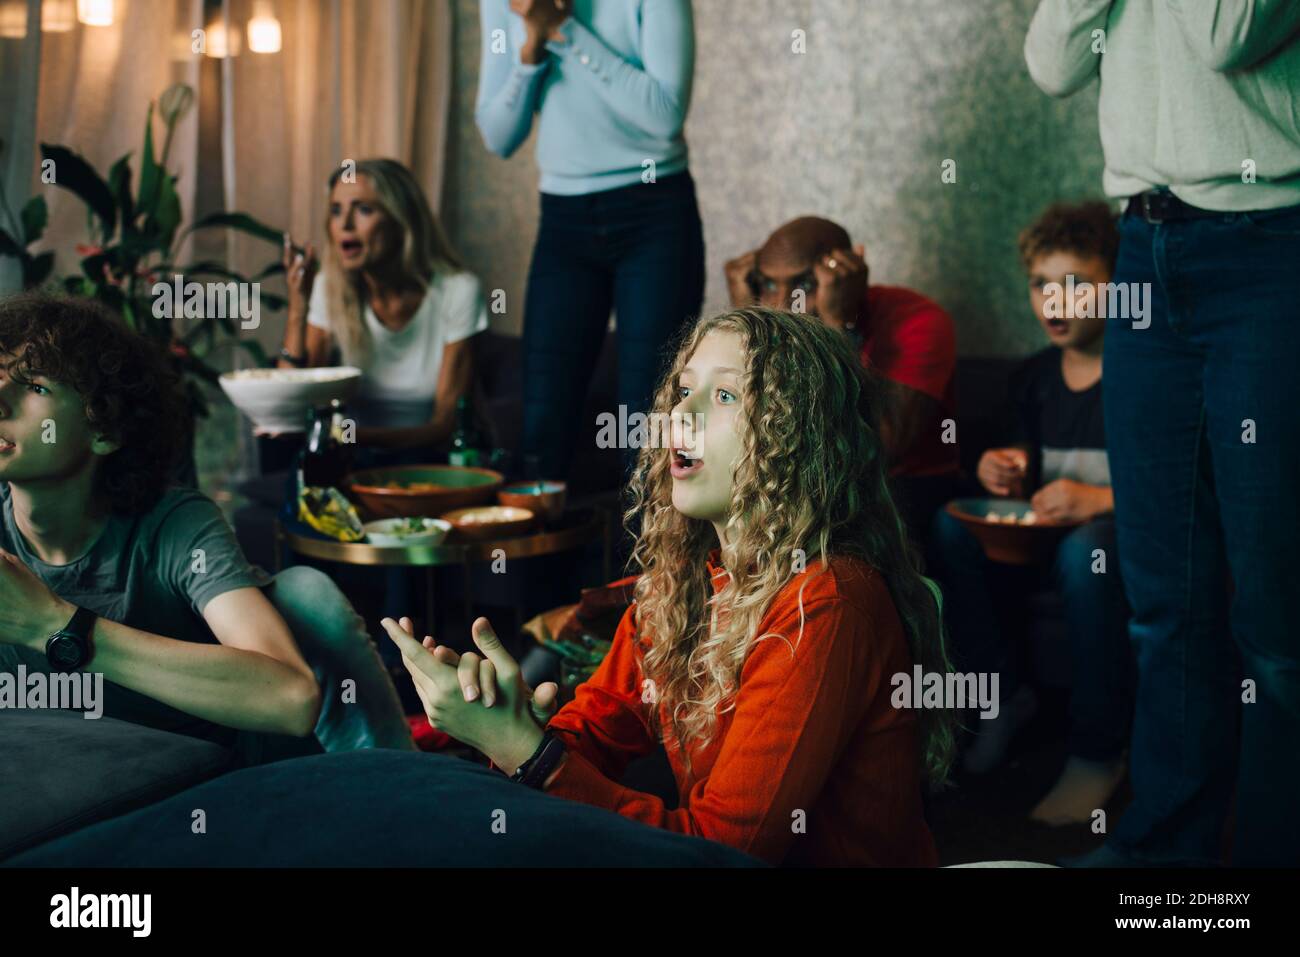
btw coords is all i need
(812, 732)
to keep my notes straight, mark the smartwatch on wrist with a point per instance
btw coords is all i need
(534, 772)
(70, 648)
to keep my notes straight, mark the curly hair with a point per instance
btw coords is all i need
(129, 388)
(811, 476)
(1086, 229)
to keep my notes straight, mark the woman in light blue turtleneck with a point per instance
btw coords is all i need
(610, 83)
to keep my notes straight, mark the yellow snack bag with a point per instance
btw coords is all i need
(330, 513)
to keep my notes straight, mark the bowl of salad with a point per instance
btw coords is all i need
(402, 532)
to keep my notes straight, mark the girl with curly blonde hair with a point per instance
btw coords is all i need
(777, 599)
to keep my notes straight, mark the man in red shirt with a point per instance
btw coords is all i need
(809, 265)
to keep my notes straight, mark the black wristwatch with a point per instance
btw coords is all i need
(534, 772)
(298, 362)
(70, 648)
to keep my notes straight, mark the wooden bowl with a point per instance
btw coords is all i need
(490, 522)
(387, 493)
(1011, 543)
(544, 499)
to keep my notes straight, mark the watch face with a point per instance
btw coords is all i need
(64, 651)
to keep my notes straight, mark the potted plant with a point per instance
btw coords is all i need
(135, 237)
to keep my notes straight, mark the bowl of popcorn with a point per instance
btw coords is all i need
(1008, 529)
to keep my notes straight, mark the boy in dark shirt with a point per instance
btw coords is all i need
(188, 635)
(1057, 456)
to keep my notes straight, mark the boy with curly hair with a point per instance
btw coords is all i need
(105, 567)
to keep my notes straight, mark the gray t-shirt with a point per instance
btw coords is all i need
(157, 572)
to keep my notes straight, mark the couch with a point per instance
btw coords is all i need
(104, 793)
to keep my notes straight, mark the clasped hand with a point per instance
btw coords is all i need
(481, 700)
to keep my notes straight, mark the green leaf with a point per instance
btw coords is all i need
(167, 215)
(242, 222)
(255, 350)
(151, 174)
(201, 369)
(37, 269)
(35, 216)
(10, 246)
(209, 267)
(119, 183)
(136, 245)
(93, 266)
(73, 173)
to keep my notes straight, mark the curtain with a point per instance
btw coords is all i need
(89, 88)
(352, 78)
(20, 60)
(355, 79)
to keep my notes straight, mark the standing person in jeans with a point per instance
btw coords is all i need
(1201, 131)
(611, 83)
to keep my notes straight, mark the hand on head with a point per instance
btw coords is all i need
(808, 265)
(740, 278)
(841, 286)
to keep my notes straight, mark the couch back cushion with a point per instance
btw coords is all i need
(60, 771)
(375, 808)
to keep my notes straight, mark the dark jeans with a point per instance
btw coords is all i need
(1205, 456)
(1101, 660)
(638, 249)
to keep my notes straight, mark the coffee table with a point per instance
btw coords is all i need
(575, 529)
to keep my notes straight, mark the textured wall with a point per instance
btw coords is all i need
(855, 129)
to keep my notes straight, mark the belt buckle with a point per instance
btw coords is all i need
(1146, 208)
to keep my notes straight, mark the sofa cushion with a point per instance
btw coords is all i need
(374, 808)
(60, 771)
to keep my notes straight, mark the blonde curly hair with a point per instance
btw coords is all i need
(811, 477)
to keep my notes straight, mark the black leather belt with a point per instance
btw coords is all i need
(1162, 206)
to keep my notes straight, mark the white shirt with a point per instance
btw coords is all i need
(400, 378)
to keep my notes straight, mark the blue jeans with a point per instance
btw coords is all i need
(1101, 692)
(638, 249)
(1205, 460)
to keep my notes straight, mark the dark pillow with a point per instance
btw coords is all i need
(60, 771)
(375, 808)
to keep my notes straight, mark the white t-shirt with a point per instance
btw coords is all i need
(400, 378)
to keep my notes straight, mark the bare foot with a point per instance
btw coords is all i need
(988, 748)
(1083, 788)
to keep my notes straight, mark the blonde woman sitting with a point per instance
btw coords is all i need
(397, 302)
